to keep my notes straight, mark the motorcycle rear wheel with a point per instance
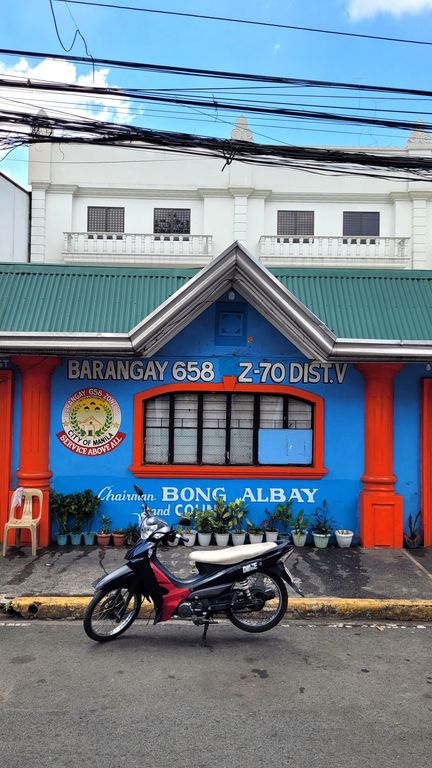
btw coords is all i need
(270, 596)
(111, 613)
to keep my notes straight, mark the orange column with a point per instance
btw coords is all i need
(6, 386)
(426, 461)
(380, 507)
(34, 469)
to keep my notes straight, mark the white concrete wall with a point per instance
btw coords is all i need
(239, 202)
(14, 221)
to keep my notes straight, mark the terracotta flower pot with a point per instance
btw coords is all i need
(119, 539)
(103, 539)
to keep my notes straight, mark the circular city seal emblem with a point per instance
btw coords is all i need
(91, 421)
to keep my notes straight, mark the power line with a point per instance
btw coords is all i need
(28, 128)
(217, 74)
(184, 116)
(220, 105)
(252, 22)
(77, 33)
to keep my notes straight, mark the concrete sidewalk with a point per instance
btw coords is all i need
(373, 584)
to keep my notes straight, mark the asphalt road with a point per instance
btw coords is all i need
(301, 695)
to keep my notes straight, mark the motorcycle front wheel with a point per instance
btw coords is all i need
(260, 603)
(111, 613)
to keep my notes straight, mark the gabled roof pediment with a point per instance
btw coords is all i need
(235, 268)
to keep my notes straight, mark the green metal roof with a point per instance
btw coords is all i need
(365, 304)
(69, 299)
(356, 304)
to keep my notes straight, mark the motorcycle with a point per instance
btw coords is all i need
(246, 584)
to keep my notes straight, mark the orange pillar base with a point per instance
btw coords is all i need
(381, 519)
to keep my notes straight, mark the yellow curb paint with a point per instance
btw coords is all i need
(397, 610)
(59, 607)
(298, 607)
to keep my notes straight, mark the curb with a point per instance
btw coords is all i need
(51, 607)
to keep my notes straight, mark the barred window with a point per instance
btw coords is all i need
(105, 219)
(361, 223)
(295, 223)
(227, 429)
(172, 221)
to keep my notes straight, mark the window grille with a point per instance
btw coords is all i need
(295, 223)
(172, 221)
(104, 219)
(217, 429)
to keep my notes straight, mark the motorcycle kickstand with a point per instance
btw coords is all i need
(206, 622)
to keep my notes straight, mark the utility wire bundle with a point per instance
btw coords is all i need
(26, 125)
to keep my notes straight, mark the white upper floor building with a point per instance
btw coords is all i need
(128, 206)
(14, 221)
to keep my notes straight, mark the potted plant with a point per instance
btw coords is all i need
(220, 524)
(256, 533)
(269, 526)
(188, 532)
(237, 511)
(204, 524)
(322, 526)
(299, 529)
(119, 537)
(132, 534)
(413, 538)
(344, 537)
(75, 515)
(59, 512)
(89, 504)
(283, 516)
(104, 535)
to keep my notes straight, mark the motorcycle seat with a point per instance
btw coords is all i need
(231, 555)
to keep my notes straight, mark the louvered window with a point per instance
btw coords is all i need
(295, 223)
(228, 429)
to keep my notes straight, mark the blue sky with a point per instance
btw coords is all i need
(116, 34)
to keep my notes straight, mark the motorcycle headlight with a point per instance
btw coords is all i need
(147, 530)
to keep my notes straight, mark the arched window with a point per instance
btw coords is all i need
(228, 429)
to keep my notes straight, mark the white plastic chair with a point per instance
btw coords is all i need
(23, 497)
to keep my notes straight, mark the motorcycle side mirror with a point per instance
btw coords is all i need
(184, 521)
(138, 490)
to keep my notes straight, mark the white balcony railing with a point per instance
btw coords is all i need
(126, 248)
(335, 251)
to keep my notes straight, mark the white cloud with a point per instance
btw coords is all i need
(57, 104)
(276, 47)
(366, 9)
